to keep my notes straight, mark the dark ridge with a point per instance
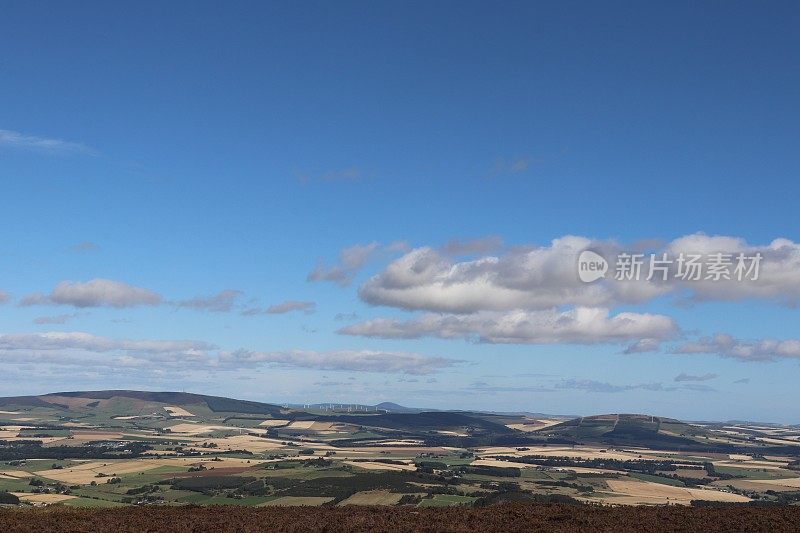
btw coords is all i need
(161, 397)
(28, 401)
(215, 403)
(426, 420)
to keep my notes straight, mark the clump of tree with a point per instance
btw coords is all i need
(498, 471)
(410, 499)
(7, 498)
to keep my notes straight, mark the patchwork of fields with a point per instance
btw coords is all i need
(118, 448)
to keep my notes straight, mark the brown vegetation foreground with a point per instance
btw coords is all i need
(504, 517)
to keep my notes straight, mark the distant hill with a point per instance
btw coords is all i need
(628, 429)
(388, 407)
(128, 401)
(396, 408)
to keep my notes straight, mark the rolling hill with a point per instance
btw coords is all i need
(159, 411)
(630, 430)
(129, 402)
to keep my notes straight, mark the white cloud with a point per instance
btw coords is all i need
(95, 293)
(4, 297)
(347, 360)
(351, 260)
(756, 350)
(17, 140)
(577, 326)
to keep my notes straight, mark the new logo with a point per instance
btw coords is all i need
(591, 266)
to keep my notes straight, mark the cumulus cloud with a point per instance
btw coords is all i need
(291, 305)
(351, 260)
(347, 360)
(545, 277)
(779, 271)
(522, 278)
(223, 301)
(756, 350)
(94, 293)
(577, 326)
(690, 377)
(20, 141)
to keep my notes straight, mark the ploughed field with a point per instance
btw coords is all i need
(504, 517)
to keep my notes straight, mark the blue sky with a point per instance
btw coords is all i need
(170, 172)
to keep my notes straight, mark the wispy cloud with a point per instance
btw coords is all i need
(690, 377)
(223, 301)
(351, 260)
(726, 345)
(345, 174)
(58, 341)
(85, 246)
(346, 360)
(21, 141)
(473, 246)
(576, 326)
(57, 319)
(291, 305)
(643, 346)
(81, 348)
(509, 166)
(589, 385)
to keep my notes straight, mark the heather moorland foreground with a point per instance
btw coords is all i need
(504, 517)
